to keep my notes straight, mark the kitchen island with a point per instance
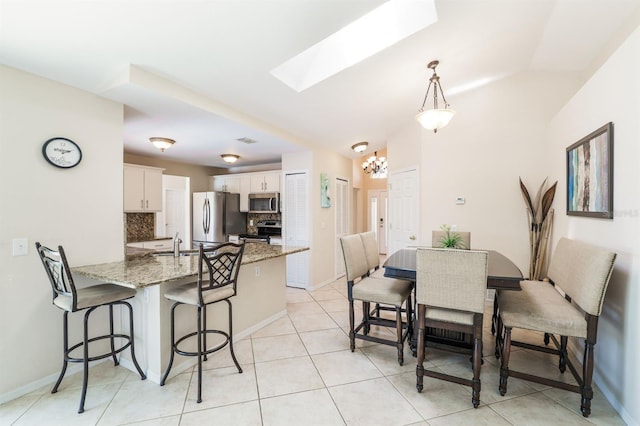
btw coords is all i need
(260, 298)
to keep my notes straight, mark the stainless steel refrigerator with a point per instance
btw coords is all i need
(215, 216)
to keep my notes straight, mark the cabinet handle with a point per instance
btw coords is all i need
(142, 204)
(147, 203)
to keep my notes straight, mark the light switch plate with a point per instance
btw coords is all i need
(20, 246)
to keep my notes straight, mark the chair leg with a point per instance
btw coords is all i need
(233, 355)
(204, 332)
(587, 376)
(173, 344)
(366, 314)
(498, 335)
(65, 350)
(199, 336)
(112, 339)
(399, 341)
(85, 361)
(562, 363)
(419, 368)
(352, 334)
(477, 361)
(504, 368)
(409, 314)
(132, 347)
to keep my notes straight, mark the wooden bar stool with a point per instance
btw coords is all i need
(70, 299)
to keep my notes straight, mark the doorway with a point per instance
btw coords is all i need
(176, 212)
(341, 198)
(377, 200)
(404, 214)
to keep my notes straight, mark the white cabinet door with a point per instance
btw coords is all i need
(272, 182)
(232, 184)
(153, 190)
(142, 189)
(257, 183)
(245, 189)
(265, 182)
(218, 183)
(133, 189)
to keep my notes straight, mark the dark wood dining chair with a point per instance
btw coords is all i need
(450, 293)
(68, 298)
(568, 304)
(387, 291)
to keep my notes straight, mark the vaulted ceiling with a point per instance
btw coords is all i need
(199, 71)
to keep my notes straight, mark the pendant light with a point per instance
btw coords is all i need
(436, 118)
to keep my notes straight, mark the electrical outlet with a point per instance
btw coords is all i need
(250, 222)
(20, 246)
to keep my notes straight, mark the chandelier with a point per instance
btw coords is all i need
(436, 118)
(376, 166)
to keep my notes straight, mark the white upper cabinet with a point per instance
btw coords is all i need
(265, 182)
(142, 188)
(227, 183)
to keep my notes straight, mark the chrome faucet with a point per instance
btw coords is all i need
(176, 245)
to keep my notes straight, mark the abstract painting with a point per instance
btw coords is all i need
(590, 175)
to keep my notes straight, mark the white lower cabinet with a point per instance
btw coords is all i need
(158, 245)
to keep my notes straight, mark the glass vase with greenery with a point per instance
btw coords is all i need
(451, 239)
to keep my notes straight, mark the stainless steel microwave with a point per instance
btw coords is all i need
(264, 202)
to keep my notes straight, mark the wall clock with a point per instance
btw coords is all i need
(62, 152)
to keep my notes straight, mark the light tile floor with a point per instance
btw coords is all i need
(299, 371)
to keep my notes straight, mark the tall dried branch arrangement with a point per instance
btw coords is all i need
(540, 223)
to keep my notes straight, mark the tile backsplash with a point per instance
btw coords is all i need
(140, 226)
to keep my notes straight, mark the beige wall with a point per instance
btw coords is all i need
(612, 94)
(79, 208)
(497, 135)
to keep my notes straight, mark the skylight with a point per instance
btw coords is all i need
(364, 37)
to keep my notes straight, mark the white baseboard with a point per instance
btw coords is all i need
(578, 351)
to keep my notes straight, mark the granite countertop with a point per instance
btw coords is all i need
(144, 268)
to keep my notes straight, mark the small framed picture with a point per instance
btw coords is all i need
(590, 175)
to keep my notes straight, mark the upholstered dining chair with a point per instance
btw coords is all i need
(438, 236)
(369, 290)
(372, 253)
(450, 293)
(68, 298)
(218, 268)
(568, 304)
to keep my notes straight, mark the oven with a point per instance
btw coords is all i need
(269, 232)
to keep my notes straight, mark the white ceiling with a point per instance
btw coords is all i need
(199, 71)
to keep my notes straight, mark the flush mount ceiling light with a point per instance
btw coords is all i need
(360, 146)
(162, 143)
(384, 26)
(230, 158)
(376, 166)
(436, 118)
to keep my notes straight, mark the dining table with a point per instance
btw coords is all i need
(502, 274)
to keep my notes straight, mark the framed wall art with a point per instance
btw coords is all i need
(590, 175)
(325, 198)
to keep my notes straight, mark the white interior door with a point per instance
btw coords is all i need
(341, 197)
(296, 227)
(403, 210)
(176, 212)
(378, 206)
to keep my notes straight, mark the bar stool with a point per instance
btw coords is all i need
(70, 299)
(218, 269)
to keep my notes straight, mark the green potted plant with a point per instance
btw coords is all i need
(451, 239)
